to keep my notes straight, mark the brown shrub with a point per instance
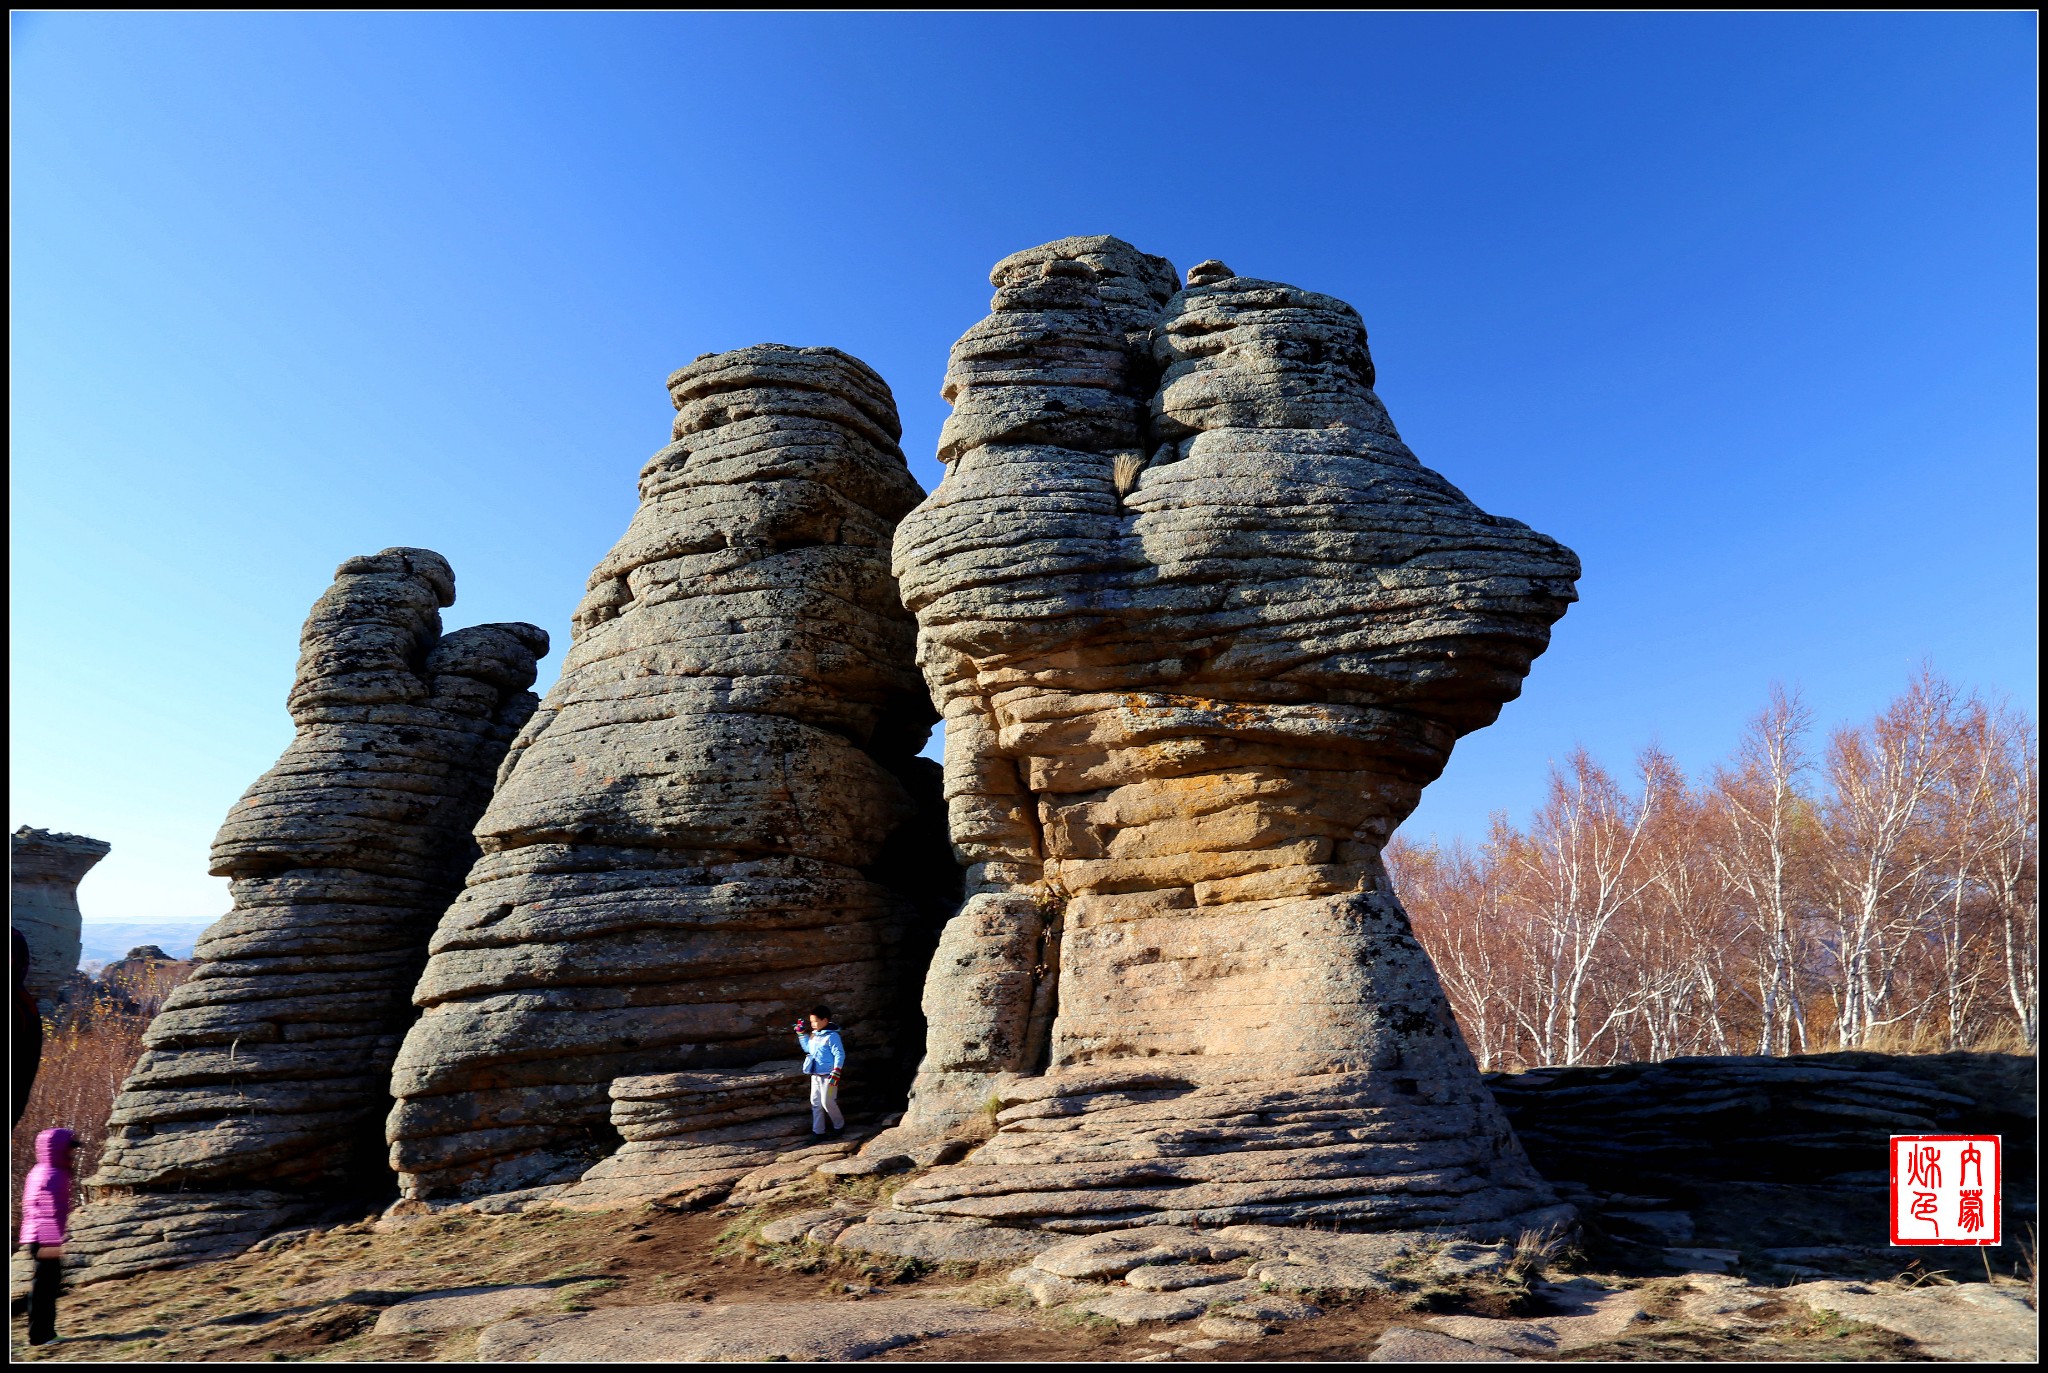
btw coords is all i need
(89, 1049)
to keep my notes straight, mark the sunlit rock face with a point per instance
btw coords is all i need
(47, 866)
(1202, 628)
(262, 1089)
(718, 816)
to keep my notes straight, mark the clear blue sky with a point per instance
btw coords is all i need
(1741, 307)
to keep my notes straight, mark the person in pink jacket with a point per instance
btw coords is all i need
(45, 1207)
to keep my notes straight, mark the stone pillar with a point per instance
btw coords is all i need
(43, 904)
(264, 1082)
(1202, 628)
(717, 817)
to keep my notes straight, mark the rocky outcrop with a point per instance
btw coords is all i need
(1773, 1164)
(1202, 628)
(264, 1079)
(139, 983)
(43, 904)
(689, 1136)
(718, 817)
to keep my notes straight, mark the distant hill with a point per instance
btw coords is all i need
(106, 942)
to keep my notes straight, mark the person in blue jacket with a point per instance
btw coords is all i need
(824, 1058)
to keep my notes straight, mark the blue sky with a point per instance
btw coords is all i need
(1741, 307)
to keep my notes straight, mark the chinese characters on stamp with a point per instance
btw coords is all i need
(1946, 1189)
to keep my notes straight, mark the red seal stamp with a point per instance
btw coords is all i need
(1947, 1189)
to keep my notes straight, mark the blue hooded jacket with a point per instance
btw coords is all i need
(824, 1055)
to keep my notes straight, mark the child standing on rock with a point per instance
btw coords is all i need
(45, 1207)
(824, 1057)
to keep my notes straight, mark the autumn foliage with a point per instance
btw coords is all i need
(1875, 890)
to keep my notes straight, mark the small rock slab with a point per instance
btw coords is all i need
(1128, 1306)
(1232, 1328)
(1721, 1302)
(1311, 1261)
(820, 1226)
(1587, 1315)
(866, 1166)
(1114, 1253)
(1171, 1277)
(1272, 1309)
(1049, 1289)
(462, 1308)
(938, 1241)
(753, 1332)
(1403, 1344)
(1968, 1323)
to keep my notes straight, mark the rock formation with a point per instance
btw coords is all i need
(43, 904)
(1692, 1162)
(1202, 628)
(713, 821)
(264, 1080)
(690, 1136)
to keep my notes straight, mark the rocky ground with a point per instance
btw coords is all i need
(551, 1285)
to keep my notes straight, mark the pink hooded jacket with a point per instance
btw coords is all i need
(46, 1196)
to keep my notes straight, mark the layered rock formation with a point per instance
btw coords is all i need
(714, 819)
(690, 1136)
(264, 1081)
(1202, 628)
(1694, 1162)
(47, 867)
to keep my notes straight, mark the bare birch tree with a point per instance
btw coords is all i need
(1763, 840)
(1880, 855)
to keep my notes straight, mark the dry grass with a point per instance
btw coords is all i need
(1124, 472)
(89, 1048)
(1929, 1035)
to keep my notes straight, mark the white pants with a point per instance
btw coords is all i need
(825, 1102)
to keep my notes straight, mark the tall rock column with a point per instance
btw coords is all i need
(714, 819)
(264, 1082)
(43, 904)
(1197, 660)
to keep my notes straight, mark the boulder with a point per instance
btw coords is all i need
(1202, 628)
(263, 1082)
(718, 816)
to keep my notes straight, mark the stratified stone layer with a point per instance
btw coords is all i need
(264, 1081)
(690, 1136)
(714, 820)
(1202, 628)
(47, 867)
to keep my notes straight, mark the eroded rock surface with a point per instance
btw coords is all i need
(264, 1080)
(47, 866)
(690, 1136)
(717, 817)
(1202, 628)
(756, 1332)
